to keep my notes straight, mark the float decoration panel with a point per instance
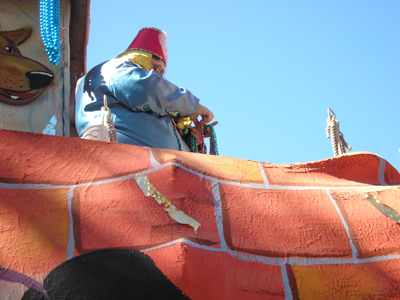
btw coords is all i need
(75, 224)
(34, 93)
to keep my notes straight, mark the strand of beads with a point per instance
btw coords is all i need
(202, 145)
(193, 144)
(50, 28)
(213, 141)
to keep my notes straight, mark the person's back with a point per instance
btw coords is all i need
(139, 98)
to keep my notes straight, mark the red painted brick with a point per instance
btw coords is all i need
(347, 170)
(392, 176)
(37, 158)
(224, 168)
(373, 233)
(118, 215)
(217, 275)
(283, 222)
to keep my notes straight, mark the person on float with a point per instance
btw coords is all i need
(139, 98)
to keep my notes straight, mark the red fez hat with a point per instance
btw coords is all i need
(151, 40)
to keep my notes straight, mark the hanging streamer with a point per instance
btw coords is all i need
(50, 28)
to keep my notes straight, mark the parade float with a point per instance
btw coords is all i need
(82, 219)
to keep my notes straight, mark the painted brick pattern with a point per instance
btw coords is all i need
(352, 169)
(267, 231)
(282, 223)
(214, 276)
(119, 215)
(218, 167)
(373, 233)
(34, 229)
(376, 280)
(36, 158)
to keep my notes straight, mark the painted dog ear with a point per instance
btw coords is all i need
(18, 36)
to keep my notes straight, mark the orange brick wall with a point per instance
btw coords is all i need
(267, 231)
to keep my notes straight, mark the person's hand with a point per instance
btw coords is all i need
(195, 132)
(206, 116)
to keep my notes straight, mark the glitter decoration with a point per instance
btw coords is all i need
(150, 191)
(383, 208)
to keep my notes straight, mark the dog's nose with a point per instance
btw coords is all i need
(38, 79)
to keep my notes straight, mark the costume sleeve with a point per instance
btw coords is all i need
(141, 90)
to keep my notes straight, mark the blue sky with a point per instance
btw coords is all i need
(269, 70)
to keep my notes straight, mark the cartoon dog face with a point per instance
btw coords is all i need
(22, 79)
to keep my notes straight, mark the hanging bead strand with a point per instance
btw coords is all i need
(193, 146)
(213, 141)
(201, 133)
(50, 28)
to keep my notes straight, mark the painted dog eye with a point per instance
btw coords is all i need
(8, 49)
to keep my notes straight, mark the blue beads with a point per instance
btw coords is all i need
(50, 28)
(193, 146)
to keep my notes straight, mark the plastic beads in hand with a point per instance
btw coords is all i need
(202, 147)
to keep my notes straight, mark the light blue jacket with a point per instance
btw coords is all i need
(140, 103)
